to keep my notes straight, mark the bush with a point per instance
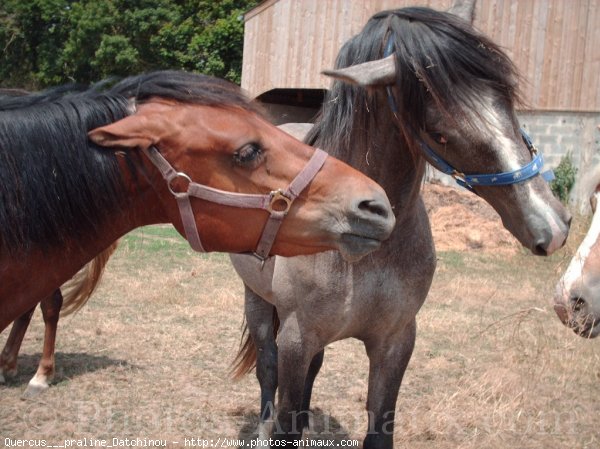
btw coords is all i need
(48, 42)
(565, 178)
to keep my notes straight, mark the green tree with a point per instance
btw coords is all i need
(218, 47)
(564, 180)
(88, 23)
(47, 42)
(30, 34)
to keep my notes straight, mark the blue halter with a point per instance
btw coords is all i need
(496, 179)
(528, 171)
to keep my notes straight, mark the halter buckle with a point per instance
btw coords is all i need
(179, 175)
(459, 176)
(278, 199)
(261, 259)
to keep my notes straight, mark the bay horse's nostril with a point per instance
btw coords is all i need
(374, 207)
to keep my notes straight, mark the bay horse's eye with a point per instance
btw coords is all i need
(249, 155)
(439, 138)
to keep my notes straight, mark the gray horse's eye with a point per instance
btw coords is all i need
(438, 138)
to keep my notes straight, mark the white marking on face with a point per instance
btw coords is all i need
(508, 154)
(507, 151)
(574, 274)
(540, 205)
(558, 236)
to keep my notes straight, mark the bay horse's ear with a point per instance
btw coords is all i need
(134, 131)
(373, 73)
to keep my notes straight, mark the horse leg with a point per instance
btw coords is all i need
(295, 352)
(50, 310)
(388, 359)
(313, 370)
(8, 357)
(259, 316)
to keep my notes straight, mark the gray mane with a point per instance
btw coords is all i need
(440, 58)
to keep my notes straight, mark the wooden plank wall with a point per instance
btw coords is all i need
(554, 43)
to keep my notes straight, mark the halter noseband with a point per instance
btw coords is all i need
(529, 170)
(277, 202)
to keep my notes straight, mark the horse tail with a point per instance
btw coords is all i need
(80, 287)
(245, 360)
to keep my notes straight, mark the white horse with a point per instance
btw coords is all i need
(577, 298)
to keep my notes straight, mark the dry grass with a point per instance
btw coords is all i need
(148, 357)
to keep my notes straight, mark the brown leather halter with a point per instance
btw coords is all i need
(277, 202)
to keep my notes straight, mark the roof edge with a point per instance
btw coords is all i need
(259, 8)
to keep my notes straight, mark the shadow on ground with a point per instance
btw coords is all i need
(322, 427)
(68, 366)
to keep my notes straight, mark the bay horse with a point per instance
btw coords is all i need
(80, 169)
(78, 290)
(414, 85)
(62, 302)
(577, 297)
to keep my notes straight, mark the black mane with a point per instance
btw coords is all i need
(57, 184)
(439, 58)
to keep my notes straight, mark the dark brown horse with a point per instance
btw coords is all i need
(445, 94)
(80, 169)
(78, 290)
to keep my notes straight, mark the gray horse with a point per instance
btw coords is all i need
(445, 94)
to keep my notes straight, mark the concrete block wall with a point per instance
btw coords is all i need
(557, 134)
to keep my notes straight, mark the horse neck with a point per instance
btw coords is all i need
(144, 193)
(141, 205)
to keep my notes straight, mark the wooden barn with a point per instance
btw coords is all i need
(554, 43)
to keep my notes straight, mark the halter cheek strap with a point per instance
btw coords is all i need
(527, 171)
(277, 202)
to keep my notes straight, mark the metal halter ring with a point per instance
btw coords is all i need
(179, 175)
(459, 176)
(277, 196)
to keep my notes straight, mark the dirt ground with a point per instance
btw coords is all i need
(462, 221)
(148, 358)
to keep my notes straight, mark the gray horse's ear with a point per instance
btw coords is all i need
(381, 72)
(464, 9)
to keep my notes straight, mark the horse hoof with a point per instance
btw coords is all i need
(34, 390)
(265, 430)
